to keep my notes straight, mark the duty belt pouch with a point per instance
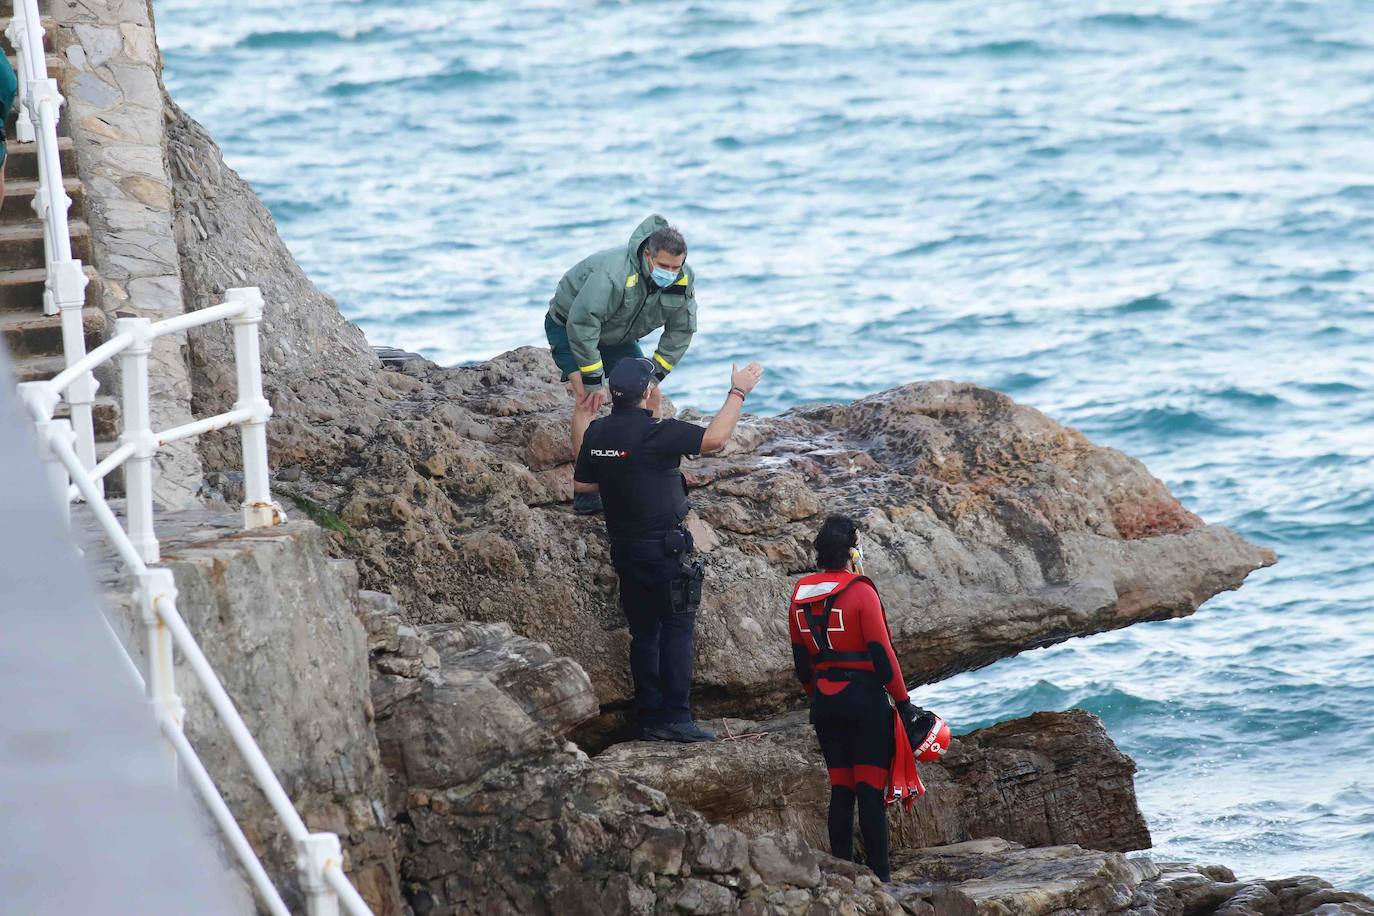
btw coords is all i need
(677, 590)
(686, 588)
(676, 543)
(696, 574)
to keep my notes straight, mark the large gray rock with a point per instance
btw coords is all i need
(454, 700)
(556, 834)
(498, 815)
(1046, 780)
(990, 528)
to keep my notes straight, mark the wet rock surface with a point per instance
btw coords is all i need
(1044, 780)
(497, 814)
(989, 528)
(993, 877)
(558, 834)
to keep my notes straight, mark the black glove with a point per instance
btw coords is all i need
(660, 374)
(917, 721)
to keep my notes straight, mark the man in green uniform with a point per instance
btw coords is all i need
(607, 302)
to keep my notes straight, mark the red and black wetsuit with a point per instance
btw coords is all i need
(843, 656)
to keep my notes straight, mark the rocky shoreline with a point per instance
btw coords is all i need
(493, 633)
(436, 664)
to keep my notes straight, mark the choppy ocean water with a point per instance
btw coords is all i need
(1154, 221)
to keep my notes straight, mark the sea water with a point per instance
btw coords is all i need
(1152, 220)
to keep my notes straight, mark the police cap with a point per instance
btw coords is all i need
(630, 378)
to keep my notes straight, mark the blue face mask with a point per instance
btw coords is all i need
(663, 277)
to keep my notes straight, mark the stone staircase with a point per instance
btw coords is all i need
(34, 340)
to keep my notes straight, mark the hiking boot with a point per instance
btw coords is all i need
(681, 732)
(586, 503)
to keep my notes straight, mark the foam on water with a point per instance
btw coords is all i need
(1152, 220)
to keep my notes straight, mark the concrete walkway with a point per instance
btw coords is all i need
(90, 819)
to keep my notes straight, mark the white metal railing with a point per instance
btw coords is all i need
(319, 856)
(64, 291)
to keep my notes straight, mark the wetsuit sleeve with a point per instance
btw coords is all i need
(585, 471)
(874, 625)
(590, 308)
(678, 328)
(678, 437)
(801, 656)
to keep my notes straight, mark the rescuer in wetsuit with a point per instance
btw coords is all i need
(843, 656)
(634, 458)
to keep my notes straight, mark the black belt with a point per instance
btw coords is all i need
(848, 674)
(654, 537)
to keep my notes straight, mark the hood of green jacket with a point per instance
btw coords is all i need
(641, 234)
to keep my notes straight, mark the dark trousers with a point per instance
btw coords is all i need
(854, 728)
(662, 646)
(561, 347)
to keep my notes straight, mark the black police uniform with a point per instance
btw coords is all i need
(635, 461)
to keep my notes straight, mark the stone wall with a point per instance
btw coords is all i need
(113, 91)
(279, 623)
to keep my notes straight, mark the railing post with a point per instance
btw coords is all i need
(58, 478)
(154, 586)
(39, 402)
(259, 511)
(18, 33)
(138, 470)
(316, 853)
(67, 284)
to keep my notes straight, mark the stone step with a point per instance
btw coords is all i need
(22, 290)
(18, 205)
(7, 13)
(57, 69)
(56, 63)
(22, 161)
(114, 481)
(105, 409)
(27, 334)
(36, 368)
(41, 368)
(21, 244)
(104, 414)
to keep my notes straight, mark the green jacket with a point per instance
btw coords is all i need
(608, 298)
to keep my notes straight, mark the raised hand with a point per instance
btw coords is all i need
(745, 379)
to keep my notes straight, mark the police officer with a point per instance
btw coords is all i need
(634, 458)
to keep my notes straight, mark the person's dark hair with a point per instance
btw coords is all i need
(666, 239)
(837, 535)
